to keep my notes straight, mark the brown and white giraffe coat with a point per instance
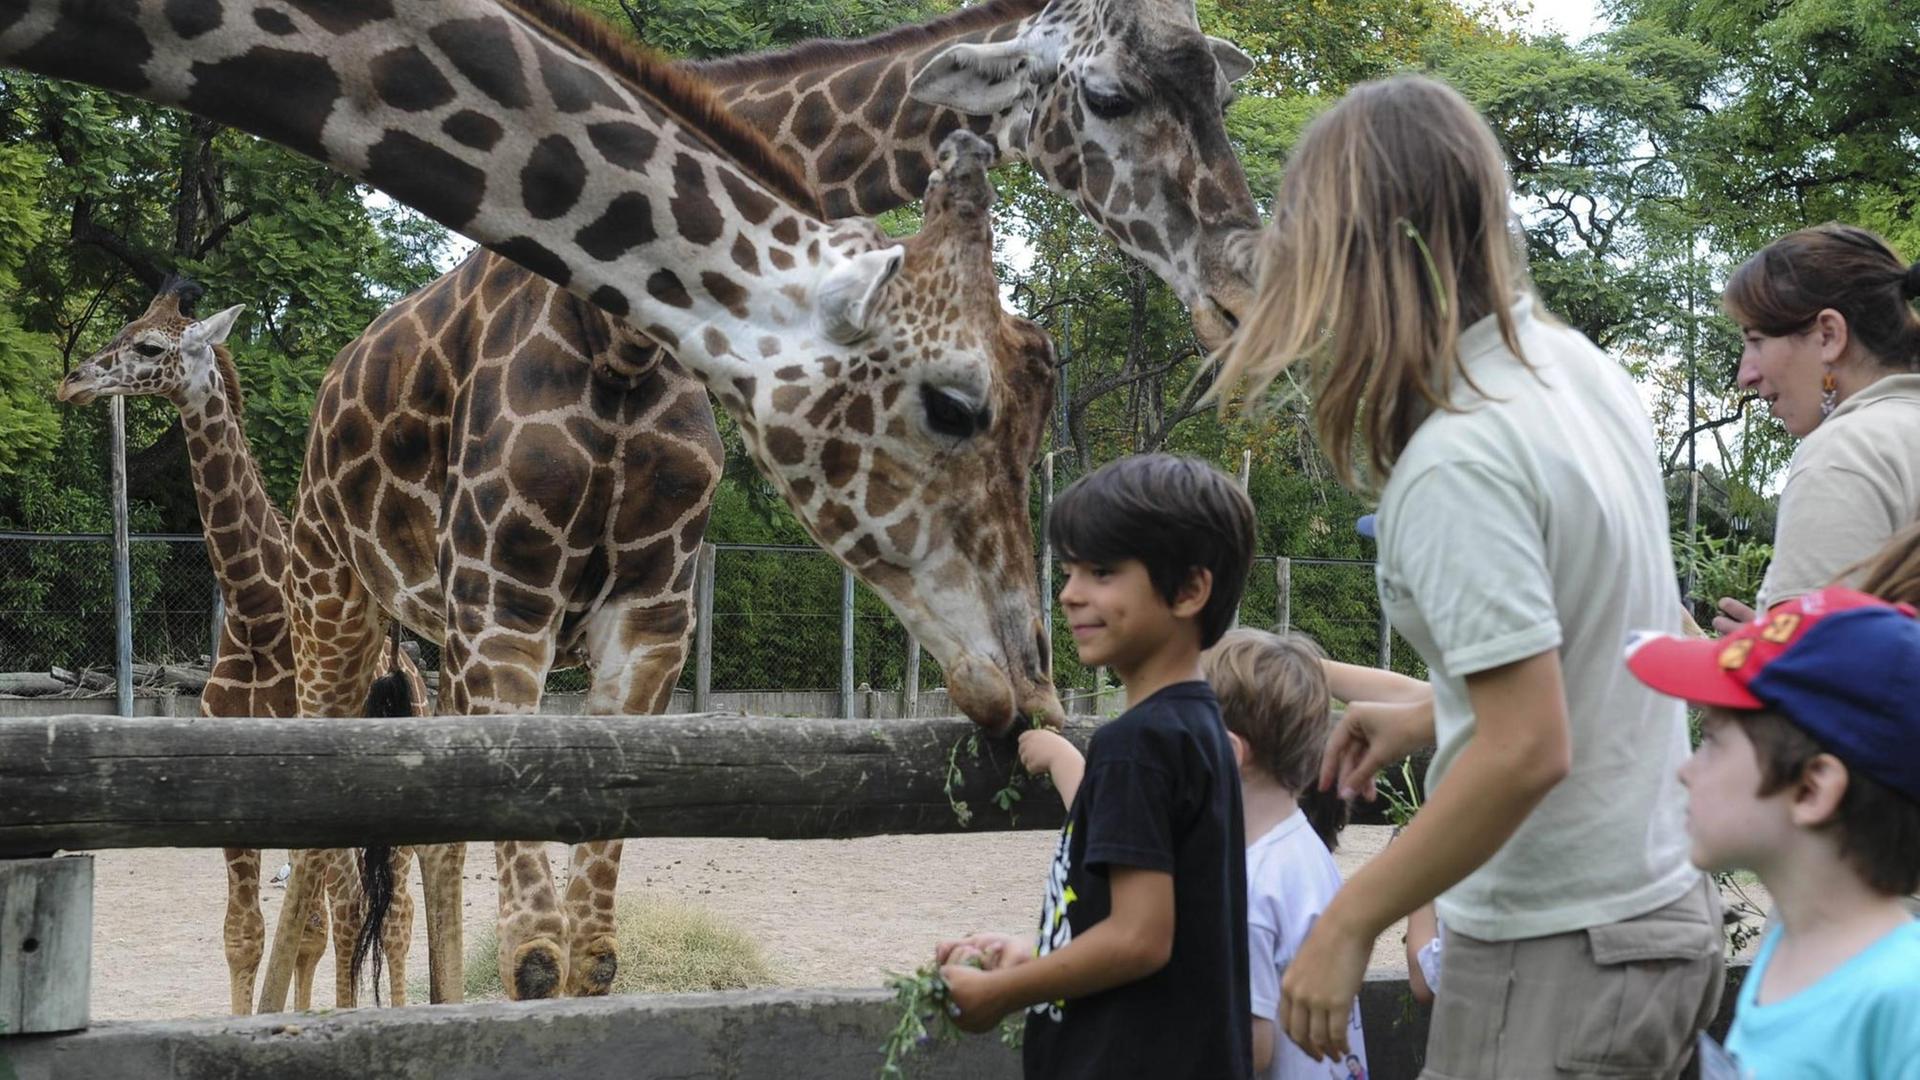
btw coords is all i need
(166, 353)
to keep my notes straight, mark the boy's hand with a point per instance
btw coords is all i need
(971, 1001)
(1041, 751)
(1733, 615)
(993, 950)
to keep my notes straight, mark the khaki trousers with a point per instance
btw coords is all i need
(1621, 1000)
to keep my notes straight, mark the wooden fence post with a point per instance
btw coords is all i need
(122, 561)
(1282, 594)
(910, 691)
(46, 943)
(703, 630)
(846, 644)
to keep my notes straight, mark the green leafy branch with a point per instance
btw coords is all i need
(923, 1000)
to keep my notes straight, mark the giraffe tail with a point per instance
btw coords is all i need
(391, 695)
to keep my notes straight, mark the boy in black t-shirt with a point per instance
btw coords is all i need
(1141, 965)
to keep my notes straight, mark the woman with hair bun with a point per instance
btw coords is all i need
(1833, 348)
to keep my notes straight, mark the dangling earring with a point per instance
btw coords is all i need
(1829, 394)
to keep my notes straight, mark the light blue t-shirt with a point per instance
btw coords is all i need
(1861, 1021)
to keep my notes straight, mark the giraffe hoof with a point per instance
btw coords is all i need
(536, 971)
(596, 967)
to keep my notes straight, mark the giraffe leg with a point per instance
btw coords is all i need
(441, 867)
(496, 669)
(338, 636)
(637, 650)
(294, 938)
(244, 931)
(348, 906)
(396, 933)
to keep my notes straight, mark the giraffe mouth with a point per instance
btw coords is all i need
(76, 392)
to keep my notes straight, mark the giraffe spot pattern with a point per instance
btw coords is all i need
(611, 300)
(745, 255)
(625, 224)
(273, 22)
(666, 287)
(812, 121)
(694, 212)
(572, 86)
(726, 292)
(306, 88)
(474, 129)
(407, 80)
(482, 50)
(785, 445)
(749, 202)
(343, 16)
(629, 146)
(422, 175)
(191, 18)
(552, 179)
(536, 257)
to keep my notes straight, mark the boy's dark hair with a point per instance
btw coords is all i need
(1176, 515)
(1878, 828)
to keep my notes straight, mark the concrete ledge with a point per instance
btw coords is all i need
(749, 1035)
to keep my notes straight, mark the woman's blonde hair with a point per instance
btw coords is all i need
(1389, 236)
(1893, 572)
(1273, 694)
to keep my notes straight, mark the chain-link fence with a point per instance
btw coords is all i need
(780, 616)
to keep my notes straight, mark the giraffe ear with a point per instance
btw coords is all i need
(213, 329)
(847, 294)
(978, 80)
(1234, 64)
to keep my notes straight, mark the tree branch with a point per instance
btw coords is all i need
(1739, 410)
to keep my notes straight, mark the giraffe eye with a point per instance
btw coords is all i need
(148, 348)
(1107, 104)
(951, 415)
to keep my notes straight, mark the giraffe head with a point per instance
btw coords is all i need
(165, 353)
(1120, 105)
(907, 454)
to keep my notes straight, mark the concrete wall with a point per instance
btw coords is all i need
(752, 1035)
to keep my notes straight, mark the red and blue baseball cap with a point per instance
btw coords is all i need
(1843, 666)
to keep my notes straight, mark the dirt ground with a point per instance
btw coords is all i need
(827, 913)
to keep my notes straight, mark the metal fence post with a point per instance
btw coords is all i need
(1282, 594)
(703, 629)
(846, 644)
(122, 562)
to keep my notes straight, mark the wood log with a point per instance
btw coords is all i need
(85, 680)
(81, 782)
(31, 684)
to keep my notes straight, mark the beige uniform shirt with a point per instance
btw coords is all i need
(1853, 483)
(1536, 520)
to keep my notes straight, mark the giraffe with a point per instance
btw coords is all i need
(879, 385)
(165, 352)
(1152, 167)
(1117, 104)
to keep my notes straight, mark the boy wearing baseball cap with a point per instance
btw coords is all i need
(1808, 774)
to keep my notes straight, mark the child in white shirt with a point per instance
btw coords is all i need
(1274, 698)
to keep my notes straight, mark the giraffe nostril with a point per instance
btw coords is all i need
(1044, 650)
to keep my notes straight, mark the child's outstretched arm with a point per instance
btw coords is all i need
(1132, 942)
(1047, 753)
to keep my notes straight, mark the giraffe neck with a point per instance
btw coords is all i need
(841, 108)
(494, 127)
(246, 536)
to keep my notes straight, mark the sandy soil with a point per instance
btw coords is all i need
(826, 912)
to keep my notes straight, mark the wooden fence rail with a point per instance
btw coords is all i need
(78, 782)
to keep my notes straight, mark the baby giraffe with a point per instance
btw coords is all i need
(166, 353)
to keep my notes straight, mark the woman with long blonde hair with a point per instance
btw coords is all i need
(1522, 535)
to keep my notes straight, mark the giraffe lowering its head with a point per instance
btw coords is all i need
(1120, 105)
